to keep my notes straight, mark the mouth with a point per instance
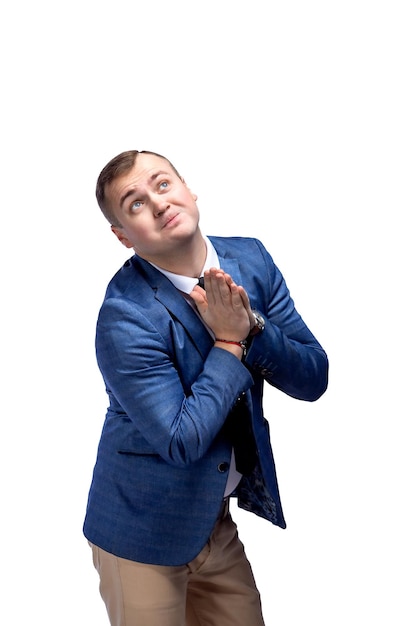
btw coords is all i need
(170, 219)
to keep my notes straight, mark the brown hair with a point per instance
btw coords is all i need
(119, 165)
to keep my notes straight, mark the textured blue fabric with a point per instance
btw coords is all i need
(163, 457)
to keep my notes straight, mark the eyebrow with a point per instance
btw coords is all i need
(132, 191)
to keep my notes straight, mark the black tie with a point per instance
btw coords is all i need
(201, 282)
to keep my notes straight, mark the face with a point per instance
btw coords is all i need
(156, 210)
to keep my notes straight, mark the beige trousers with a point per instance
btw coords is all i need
(217, 588)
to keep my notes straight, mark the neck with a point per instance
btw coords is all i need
(186, 260)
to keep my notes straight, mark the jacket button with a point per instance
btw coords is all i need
(223, 467)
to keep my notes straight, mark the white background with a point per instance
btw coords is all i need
(294, 122)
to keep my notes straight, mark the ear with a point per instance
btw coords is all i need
(120, 234)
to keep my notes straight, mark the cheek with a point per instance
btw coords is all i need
(142, 232)
(189, 200)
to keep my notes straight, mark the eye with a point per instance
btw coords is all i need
(163, 185)
(135, 206)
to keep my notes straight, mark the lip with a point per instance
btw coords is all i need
(169, 220)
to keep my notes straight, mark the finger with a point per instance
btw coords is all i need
(214, 284)
(238, 298)
(198, 296)
(223, 289)
(245, 298)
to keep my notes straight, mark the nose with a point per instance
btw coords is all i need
(160, 205)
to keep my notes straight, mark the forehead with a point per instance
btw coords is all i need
(145, 162)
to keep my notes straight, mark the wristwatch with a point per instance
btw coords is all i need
(259, 324)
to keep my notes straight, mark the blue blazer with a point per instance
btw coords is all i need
(163, 460)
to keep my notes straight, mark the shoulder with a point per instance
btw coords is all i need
(248, 251)
(121, 279)
(237, 244)
(135, 279)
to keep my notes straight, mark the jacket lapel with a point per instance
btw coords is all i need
(176, 305)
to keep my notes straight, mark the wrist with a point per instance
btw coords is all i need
(233, 342)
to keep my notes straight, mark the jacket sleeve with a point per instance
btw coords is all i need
(142, 375)
(286, 353)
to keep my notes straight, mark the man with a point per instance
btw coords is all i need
(184, 367)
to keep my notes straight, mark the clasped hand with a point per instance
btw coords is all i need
(223, 305)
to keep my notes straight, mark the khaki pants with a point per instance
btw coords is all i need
(217, 588)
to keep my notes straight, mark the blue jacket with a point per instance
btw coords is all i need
(162, 461)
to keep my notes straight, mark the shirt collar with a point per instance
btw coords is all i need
(186, 283)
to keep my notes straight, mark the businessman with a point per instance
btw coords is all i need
(190, 329)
